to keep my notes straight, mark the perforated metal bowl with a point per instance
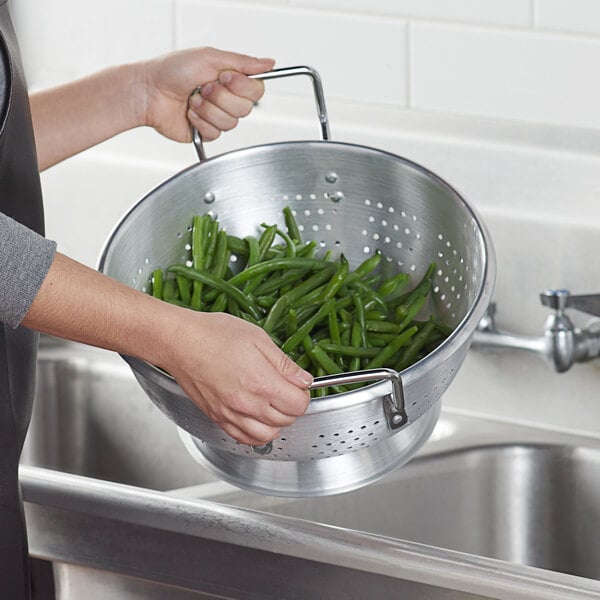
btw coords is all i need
(351, 199)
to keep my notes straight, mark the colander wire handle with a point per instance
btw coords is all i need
(275, 74)
(394, 408)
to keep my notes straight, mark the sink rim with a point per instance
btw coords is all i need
(293, 537)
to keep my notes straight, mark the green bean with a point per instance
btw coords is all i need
(265, 241)
(290, 246)
(220, 304)
(368, 265)
(334, 327)
(276, 313)
(253, 251)
(306, 250)
(391, 288)
(211, 234)
(333, 348)
(170, 291)
(391, 349)
(184, 289)
(336, 280)
(198, 233)
(423, 287)
(276, 264)
(420, 340)
(371, 296)
(323, 363)
(382, 326)
(303, 361)
(266, 301)
(413, 310)
(291, 224)
(222, 255)
(292, 322)
(375, 315)
(237, 246)
(295, 339)
(358, 337)
(278, 282)
(444, 329)
(219, 284)
(324, 360)
(157, 283)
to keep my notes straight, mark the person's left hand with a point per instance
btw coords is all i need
(226, 93)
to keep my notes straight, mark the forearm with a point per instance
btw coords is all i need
(78, 303)
(78, 115)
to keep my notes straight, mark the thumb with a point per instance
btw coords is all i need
(285, 366)
(294, 373)
(254, 66)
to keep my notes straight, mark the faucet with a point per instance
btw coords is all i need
(562, 344)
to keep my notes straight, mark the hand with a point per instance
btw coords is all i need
(226, 93)
(237, 376)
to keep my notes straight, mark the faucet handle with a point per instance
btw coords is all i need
(559, 300)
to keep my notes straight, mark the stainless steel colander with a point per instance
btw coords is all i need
(351, 199)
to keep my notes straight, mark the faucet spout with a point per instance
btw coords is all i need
(562, 345)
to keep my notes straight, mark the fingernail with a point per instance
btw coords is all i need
(304, 378)
(196, 100)
(225, 77)
(207, 88)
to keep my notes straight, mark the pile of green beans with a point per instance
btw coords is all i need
(326, 316)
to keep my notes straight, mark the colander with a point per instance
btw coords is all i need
(352, 199)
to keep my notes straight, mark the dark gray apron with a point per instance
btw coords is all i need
(20, 198)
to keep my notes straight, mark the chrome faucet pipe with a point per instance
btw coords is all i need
(561, 344)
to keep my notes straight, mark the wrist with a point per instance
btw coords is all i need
(135, 90)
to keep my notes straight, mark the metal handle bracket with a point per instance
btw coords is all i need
(394, 402)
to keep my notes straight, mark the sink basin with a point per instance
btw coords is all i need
(487, 509)
(535, 505)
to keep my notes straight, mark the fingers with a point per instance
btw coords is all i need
(253, 433)
(220, 104)
(251, 389)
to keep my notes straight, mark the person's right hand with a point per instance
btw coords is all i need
(237, 376)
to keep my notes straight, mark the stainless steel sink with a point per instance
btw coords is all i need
(535, 505)
(113, 500)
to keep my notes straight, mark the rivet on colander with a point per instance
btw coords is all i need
(331, 177)
(262, 450)
(336, 196)
(209, 198)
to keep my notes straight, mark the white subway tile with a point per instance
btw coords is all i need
(359, 58)
(568, 15)
(516, 13)
(512, 75)
(67, 38)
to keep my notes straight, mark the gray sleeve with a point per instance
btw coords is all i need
(25, 258)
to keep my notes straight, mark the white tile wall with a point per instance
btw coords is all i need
(516, 13)
(66, 39)
(333, 42)
(499, 73)
(568, 15)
